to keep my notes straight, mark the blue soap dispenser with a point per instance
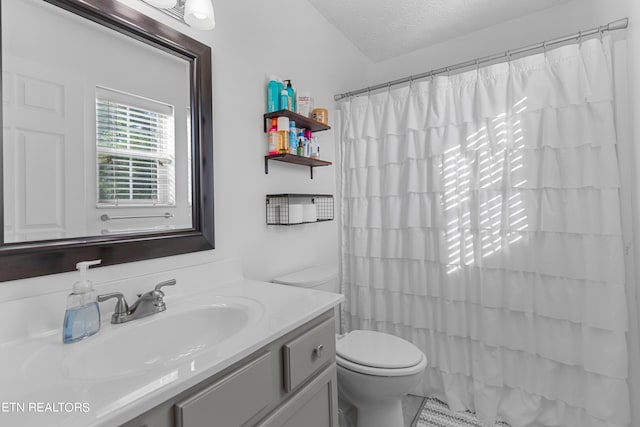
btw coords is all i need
(82, 318)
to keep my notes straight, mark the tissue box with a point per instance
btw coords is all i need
(291, 214)
(309, 213)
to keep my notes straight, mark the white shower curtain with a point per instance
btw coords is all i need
(481, 221)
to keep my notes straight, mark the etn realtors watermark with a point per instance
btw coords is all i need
(44, 407)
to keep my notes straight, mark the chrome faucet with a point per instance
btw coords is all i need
(149, 303)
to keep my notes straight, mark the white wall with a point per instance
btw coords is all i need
(252, 40)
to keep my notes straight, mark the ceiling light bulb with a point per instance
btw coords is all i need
(199, 14)
(162, 4)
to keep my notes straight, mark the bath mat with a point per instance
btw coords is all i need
(437, 414)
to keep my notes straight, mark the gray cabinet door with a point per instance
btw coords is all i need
(233, 400)
(316, 405)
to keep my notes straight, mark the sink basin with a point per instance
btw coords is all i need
(159, 340)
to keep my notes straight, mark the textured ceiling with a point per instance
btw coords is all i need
(383, 29)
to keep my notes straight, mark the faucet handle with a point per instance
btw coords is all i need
(122, 308)
(170, 282)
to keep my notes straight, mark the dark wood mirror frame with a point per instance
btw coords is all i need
(38, 258)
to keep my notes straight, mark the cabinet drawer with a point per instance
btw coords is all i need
(233, 400)
(307, 353)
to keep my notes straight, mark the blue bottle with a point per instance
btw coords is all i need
(82, 317)
(274, 89)
(291, 97)
(284, 100)
(293, 139)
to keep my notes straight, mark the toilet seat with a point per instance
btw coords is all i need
(377, 353)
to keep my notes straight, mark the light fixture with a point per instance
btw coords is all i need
(199, 14)
(195, 13)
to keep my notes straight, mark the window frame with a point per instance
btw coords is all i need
(166, 153)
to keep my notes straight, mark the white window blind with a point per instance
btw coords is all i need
(135, 150)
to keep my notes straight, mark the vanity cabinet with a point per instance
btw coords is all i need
(290, 382)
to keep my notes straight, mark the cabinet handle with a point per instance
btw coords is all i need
(318, 350)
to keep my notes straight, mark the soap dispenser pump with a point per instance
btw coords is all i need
(82, 318)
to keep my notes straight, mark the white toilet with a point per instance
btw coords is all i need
(375, 370)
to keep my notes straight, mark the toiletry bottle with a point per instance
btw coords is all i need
(308, 136)
(291, 96)
(82, 318)
(293, 138)
(274, 88)
(284, 99)
(301, 143)
(272, 137)
(304, 104)
(283, 135)
(315, 149)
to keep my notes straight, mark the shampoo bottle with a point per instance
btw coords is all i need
(274, 88)
(291, 96)
(82, 318)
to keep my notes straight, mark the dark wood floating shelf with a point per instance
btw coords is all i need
(301, 121)
(296, 160)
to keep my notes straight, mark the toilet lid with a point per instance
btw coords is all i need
(310, 277)
(378, 350)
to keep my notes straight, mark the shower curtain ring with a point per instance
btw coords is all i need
(580, 38)
(448, 72)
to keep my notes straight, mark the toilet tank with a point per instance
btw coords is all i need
(322, 277)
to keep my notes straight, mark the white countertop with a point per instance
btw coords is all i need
(42, 385)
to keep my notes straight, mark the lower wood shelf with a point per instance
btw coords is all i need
(297, 160)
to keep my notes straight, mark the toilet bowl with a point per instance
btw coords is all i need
(375, 370)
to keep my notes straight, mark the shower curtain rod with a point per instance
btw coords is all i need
(620, 24)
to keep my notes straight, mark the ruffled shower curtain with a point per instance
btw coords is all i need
(481, 221)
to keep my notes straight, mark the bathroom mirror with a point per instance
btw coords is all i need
(107, 137)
